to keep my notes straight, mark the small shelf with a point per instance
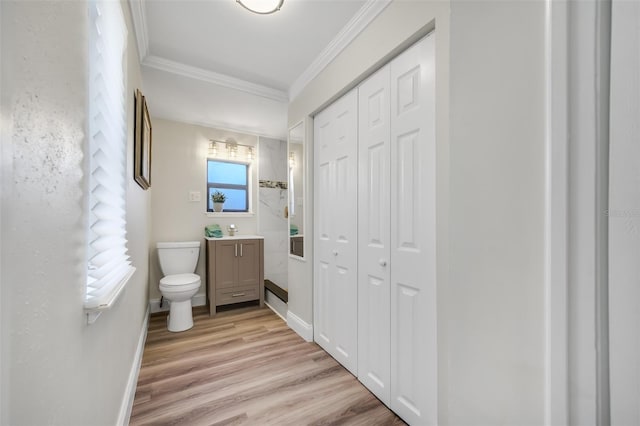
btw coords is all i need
(274, 288)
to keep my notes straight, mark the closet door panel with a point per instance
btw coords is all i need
(323, 312)
(345, 210)
(413, 289)
(322, 136)
(373, 235)
(323, 327)
(408, 184)
(335, 292)
(346, 330)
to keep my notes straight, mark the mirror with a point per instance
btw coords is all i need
(296, 190)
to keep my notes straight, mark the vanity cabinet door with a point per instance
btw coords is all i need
(226, 264)
(248, 263)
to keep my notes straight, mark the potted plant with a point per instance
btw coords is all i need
(218, 199)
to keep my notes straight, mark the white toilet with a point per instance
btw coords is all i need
(178, 261)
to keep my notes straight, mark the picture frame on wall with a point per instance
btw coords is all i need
(142, 142)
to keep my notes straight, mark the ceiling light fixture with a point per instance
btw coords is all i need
(261, 7)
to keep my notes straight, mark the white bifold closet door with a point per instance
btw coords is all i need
(335, 259)
(374, 234)
(396, 252)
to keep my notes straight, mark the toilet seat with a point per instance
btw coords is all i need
(180, 279)
(180, 282)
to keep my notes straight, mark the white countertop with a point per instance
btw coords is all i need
(237, 237)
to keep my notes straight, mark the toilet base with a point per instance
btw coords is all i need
(180, 316)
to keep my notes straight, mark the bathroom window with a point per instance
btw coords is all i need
(108, 265)
(232, 179)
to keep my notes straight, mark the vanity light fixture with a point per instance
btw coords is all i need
(213, 148)
(261, 7)
(233, 149)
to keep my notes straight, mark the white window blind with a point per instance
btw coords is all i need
(109, 267)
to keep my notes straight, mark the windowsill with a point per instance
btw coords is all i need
(230, 214)
(298, 258)
(94, 308)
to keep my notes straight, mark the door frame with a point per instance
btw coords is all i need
(576, 377)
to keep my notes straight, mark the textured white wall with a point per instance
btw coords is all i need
(178, 166)
(56, 368)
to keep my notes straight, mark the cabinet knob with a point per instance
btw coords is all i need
(382, 262)
(335, 252)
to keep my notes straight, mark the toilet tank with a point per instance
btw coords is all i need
(178, 257)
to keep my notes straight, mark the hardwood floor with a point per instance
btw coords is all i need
(246, 367)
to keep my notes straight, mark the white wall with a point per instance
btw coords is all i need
(178, 166)
(490, 195)
(494, 297)
(57, 369)
(4, 329)
(624, 215)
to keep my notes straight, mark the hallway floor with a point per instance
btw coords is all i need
(246, 367)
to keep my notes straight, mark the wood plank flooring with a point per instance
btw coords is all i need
(246, 367)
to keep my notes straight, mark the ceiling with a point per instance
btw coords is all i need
(216, 64)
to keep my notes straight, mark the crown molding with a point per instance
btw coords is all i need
(225, 126)
(214, 78)
(354, 27)
(139, 18)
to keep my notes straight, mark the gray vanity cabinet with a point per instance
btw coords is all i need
(235, 272)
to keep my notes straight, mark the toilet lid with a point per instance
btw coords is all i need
(180, 279)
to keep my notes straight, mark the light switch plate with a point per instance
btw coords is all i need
(194, 196)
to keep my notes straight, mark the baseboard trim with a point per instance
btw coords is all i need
(298, 325)
(130, 391)
(154, 304)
